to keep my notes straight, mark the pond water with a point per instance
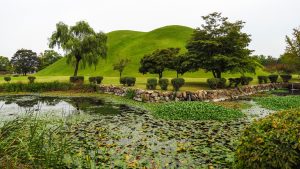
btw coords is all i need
(12, 106)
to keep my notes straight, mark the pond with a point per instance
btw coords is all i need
(12, 106)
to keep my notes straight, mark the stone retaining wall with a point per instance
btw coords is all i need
(200, 95)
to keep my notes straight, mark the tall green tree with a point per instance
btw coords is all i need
(219, 45)
(158, 61)
(5, 65)
(120, 65)
(293, 43)
(25, 61)
(47, 58)
(81, 44)
(182, 64)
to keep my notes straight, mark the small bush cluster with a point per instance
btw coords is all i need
(286, 78)
(235, 81)
(96, 79)
(246, 80)
(272, 142)
(215, 83)
(262, 79)
(7, 79)
(151, 83)
(177, 83)
(77, 79)
(163, 83)
(129, 81)
(31, 79)
(273, 78)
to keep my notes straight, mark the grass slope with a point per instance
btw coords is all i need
(133, 45)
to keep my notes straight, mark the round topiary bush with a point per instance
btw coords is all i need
(286, 78)
(99, 79)
(163, 83)
(123, 81)
(77, 79)
(129, 81)
(92, 80)
(7, 79)
(262, 79)
(31, 79)
(151, 83)
(246, 80)
(215, 83)
(272, 142)
(273, 78)
(235, 81)
(177, 83)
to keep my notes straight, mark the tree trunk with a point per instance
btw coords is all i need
(160, 75)
(177, 74)
(76, 67)
(214, 73)
(218, 74)
(120, 74)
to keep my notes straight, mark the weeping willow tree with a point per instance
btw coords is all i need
(81, 44)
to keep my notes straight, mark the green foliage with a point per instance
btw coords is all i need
(195, 111)
(262, 79)
(220, 46)
(5, 65)
(235, 81)
(130, 93)
(92, 80)
(77, 79)
(273, 78)
(246, 80)
(272, 142)
(216, 83)
(31, 79)
(158, 61)
(80, 42)
(129, 81)
(286, 78)
(98, 79)
(35, 87)
(151, 84)
(177, 83)
(25, 61)
(47, 58)
(182, 64)
(7, 79)
(163, 83)
(120, 65)
(279, 103)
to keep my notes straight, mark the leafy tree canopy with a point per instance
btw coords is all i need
(158, 61)
(182, 64)
(5, 65)
(219, 45)
(47, 58)
(25, 61)
(81, 44)
(120, 65)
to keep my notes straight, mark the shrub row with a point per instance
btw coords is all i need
(215, 83)
(273, 78)
(129, 81)
(96, 79)
(46, 86)
(152, 83)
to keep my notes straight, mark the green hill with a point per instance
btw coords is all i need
(133, 45)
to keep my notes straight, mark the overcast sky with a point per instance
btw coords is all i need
(29, 23)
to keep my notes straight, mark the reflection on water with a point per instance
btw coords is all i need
(11, 106)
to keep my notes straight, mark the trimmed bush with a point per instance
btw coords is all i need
(35, 87)
(16, 75)
(215, 83)
(262, 79)
(7, 79)
(272, 142)
(163, 83)
(235, 81)
(129, 81)
(31, 79)
(151, 83)
(273, 78)
(92, 80)
(77, 79)
(286, 78)
(177, 83)
(99, 79)
(246, 80)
